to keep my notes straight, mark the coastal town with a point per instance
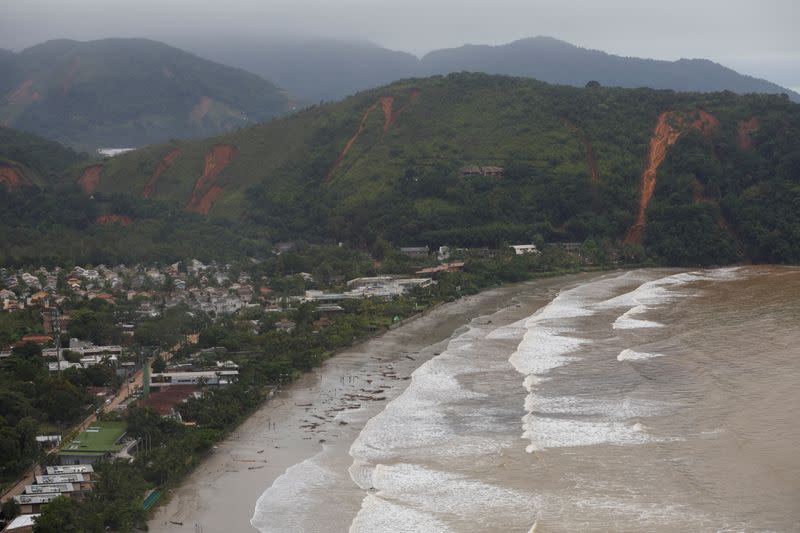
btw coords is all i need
(165, 339)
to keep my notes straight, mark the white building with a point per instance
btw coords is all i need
(522, 249)
(213, 377)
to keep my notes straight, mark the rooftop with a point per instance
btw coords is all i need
(164, 400)
(25, 520)
(70, 469)
(99, 437)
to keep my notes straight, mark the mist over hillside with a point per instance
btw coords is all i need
(314, 70)
(127, 92)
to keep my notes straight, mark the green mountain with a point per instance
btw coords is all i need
(27, 160)
(331, 69)
(694, 178)
(127, 92)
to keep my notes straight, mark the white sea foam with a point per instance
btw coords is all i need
(417, 422)
(547, 432)
(551, 342)
(615, 408)
(433, 494)
(380, 515)
(276, 509)
(545, 348)
(547, 343)
(626, 320)
(631, 355)
(414, 419)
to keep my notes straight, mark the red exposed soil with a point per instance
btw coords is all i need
(201, 109)
(412, 97)
(90, 179)
(12, 178)
(389, 117)
(349, 143)
(163, 165)
(386, 104)
(24, 94)
(743, 131)
(123, 220)
(204, 203)
(705, 122)
(668, 130)
(205, 190)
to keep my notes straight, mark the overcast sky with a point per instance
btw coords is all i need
(756, 37)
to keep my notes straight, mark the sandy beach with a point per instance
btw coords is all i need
(323, 412)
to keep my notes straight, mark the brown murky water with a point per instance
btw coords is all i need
(652, 400)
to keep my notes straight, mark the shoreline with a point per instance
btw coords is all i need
(320, 413)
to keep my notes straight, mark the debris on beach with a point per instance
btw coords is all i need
(365, 397)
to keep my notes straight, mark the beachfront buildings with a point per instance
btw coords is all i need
(99, 441)
(211, 377)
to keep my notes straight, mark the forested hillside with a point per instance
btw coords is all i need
(681, 178)
(27, 160)
(127, 92)
(692, 177)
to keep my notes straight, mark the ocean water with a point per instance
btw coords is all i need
(649, 400)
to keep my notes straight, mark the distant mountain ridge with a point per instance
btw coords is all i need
(127, 92)
(330, 69)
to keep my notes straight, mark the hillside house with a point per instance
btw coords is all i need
(522, 249)
(490, 171)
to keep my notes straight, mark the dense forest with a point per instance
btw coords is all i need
(722, 169)
(679, 179)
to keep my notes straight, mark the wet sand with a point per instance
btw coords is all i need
(324, 410)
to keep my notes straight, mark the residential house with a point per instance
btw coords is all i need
(210, 377)
(22, 524)
(285, 325)
(522, 249)
(475, 170)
